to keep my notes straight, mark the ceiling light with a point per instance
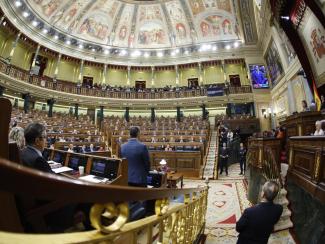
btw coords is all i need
(146, 55)
(186, 52)
(236, 44)
(81, 46)
(106, 51)
(123, 52)
(173, 53)
(68, 42)
(45, 31)
(135, 53)
(228, 47)
(25, 14)
(177, 51)
(93, 49)
(214, 48)
(160, 54)
(34, 23)
(4, 23)
(18, 4)
(285, 17)
(56, 37)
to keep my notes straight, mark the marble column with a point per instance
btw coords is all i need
(177, 75)
(291, 97)
(152, 76)
(76, 112)
(81, 72)
(153, 115)
(128, 77)
(14, 45)
(56, 70)
(104, 74)
(178, 114)
(308, 91)
(200, 73)
(35, 57)
(50, 103)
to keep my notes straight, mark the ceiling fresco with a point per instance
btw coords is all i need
(142, 24)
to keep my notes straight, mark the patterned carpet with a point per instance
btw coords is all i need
(227, 200)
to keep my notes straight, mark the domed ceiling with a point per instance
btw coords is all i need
(140, 25)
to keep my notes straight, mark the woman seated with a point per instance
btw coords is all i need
(168, 148)
(319, 131)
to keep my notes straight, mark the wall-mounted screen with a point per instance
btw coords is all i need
(259, 76)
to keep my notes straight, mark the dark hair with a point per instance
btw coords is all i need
(33, 131)
(270, 190)
(304, 102)
(134, 132)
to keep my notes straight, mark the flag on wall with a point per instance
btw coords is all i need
(316, 97)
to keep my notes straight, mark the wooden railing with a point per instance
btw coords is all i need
(307, 164)
(71, 87)
(178, 222)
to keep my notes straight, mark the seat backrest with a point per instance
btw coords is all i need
(14, 153)
(5, 108)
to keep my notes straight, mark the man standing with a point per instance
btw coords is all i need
(257, 222)
(224, 158)
(138, 159)
(242, 159)
(31, 155)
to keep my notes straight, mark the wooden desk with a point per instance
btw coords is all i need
(174, 179)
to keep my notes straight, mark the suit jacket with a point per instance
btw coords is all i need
(138, 161)
(257, 222)
(32, 159)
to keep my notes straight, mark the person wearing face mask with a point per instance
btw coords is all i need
(224, 155)
(242, 158)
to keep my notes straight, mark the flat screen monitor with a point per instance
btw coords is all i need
(59, 157)
(76, 161)
(259, 76)
(112, 168)
(99, 167)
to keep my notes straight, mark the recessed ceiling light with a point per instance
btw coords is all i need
(45, 31)
(146, 55)
(25, 14)
(214, 48)
(81, 46)
(123, 52)
(34, 23)
(106, 51)
(173, 53)
(177, 50)
(236, 44)
(160, 54)
(186, 52)
(228, 47)
(93, 49)
(18, 3)
(136, 53)
(56, 37)
(68, 42)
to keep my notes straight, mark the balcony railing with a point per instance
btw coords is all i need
(71, 87)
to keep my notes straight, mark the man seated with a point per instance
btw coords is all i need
(31, 155)
(257, 222)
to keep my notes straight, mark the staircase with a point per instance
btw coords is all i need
(211, 159)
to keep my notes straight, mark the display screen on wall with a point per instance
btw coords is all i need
(273, 62)
(258, 76)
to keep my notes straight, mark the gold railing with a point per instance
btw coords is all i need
(173, 222)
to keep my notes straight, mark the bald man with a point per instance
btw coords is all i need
(257, 222)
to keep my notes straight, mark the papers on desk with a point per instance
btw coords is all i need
(93, 179)
(54, 164)
(61, 169)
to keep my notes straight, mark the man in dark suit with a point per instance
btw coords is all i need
(257, 222)
(31, 155)
(138, 159)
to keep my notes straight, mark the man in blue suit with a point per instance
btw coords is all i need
(138, 159)
(257, 222)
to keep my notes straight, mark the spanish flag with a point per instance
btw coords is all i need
(316, 97)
